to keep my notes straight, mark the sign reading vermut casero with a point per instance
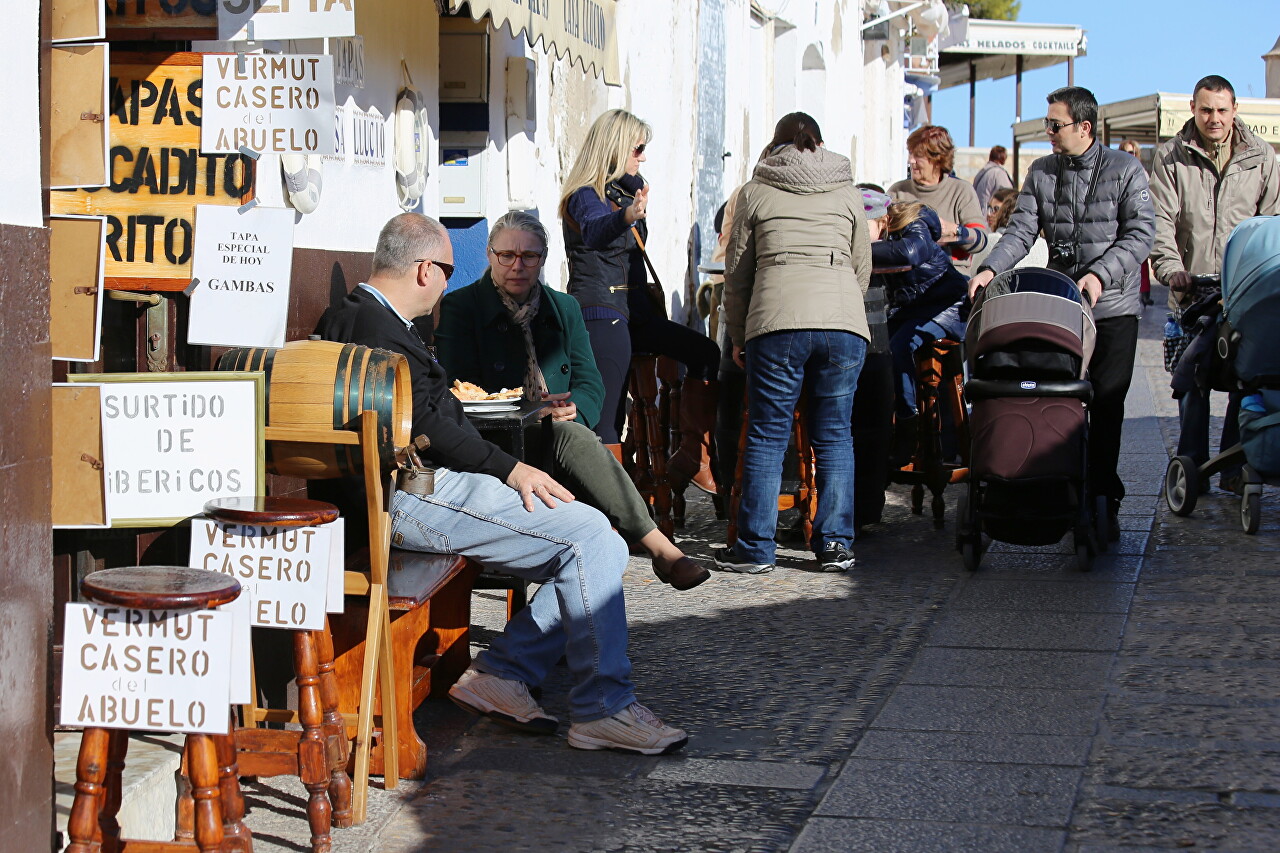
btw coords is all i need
(285, 19)
(284, 569)
(241, 275)
(175, 440)
(154, 670)
(157, 172)
(271, 104)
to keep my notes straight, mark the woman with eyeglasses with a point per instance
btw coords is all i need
(931, 155)
(508, 330)
(604, 206)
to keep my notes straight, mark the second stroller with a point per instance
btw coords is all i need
(1029, 342)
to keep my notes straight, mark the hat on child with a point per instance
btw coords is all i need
(875, 204)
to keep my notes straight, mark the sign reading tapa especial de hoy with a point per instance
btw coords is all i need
(285, 19)
(157, 173)
(241, 271)
(271, 104)
(174, 441)
(155, 670)
(285, 570)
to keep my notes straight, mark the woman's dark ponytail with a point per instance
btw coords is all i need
(798, 129)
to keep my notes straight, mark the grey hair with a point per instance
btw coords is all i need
(406, 238)
(520, 220)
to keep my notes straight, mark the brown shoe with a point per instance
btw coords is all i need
(682, 574)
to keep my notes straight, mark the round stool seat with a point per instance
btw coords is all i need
(271, 511)
(159, 587)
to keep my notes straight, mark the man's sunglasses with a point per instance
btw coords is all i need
(1055, 127)
(447, 269)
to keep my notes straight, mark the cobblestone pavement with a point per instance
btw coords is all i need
(904, 706)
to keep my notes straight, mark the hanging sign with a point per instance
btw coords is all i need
(171, 20)
(241, 648)
(241, 276)
(174, 440)
(348, 61)
(271, 104)
(286, 569)
(157, 173)
(153, 670)
(257, 20)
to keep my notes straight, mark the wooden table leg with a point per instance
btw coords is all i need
(313, 765)
(336, 744)
(91, 773)
(236, 835)
(202, 763)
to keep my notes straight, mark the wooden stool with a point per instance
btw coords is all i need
(648, 441)
(939, 382)
(805, 497)
(318, 754)
(216, 808)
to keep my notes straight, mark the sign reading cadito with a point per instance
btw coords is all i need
(157, 173)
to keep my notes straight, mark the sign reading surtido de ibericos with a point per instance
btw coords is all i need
(271, 104)
(154, 670)
(157, 172)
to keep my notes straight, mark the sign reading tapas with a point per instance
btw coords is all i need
(271, 104)
(156, 670)
(285, 19)
(285, 570)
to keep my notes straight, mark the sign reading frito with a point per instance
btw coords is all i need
(157, 174)
(284, 569)
(155, 670)
(271, 104)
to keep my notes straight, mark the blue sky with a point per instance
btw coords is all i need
(1136, 47)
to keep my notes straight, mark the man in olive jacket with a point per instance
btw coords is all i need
(1213, 175)
(1094, 205)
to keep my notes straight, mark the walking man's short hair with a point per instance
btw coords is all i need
(998, 154)
(1214, 83)
(1080, 103)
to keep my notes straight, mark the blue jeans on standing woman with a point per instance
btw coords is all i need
(824, 363)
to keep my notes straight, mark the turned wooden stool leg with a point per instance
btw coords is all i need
(337, 748)
(108, 823)
(185, 820)
(646, 381)
(237, 836)
(202, 763)
(808, 490)
(637, 437)
(312, 761)
(91, 772)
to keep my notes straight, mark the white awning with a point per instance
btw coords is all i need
(583, 29)
(994, 46)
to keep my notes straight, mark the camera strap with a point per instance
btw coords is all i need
(1088, 198)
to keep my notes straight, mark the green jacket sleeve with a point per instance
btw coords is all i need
(457, 343)
(586, 386)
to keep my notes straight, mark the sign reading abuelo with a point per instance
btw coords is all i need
(271, 104)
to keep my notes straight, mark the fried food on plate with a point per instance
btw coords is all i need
(470, 392)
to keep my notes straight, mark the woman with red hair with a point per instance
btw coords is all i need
(931, 155)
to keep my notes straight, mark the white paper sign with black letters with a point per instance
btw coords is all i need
(150, 670)
(285, 569)
(241, 268)
(268, 103)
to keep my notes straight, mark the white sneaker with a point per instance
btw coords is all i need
(633, 729)
(503, 701)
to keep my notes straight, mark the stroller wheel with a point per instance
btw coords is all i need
(970, 553)
(1181, 485)
(1101, 523)
(1251, 511)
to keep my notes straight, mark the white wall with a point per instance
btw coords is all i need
(20, 202)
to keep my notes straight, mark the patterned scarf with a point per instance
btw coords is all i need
(522, 316)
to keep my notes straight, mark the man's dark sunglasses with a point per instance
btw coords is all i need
(447, 269)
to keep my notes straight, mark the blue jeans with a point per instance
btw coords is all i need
(577, 612)
(909, 332)
(825, 364)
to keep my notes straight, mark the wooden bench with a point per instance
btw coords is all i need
(429, 596)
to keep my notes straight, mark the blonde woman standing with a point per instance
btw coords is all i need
(604, 207)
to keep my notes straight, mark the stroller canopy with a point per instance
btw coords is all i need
(1031, 304)
(1251, 295)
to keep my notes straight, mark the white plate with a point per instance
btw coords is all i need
(484, 403)
(488, 407)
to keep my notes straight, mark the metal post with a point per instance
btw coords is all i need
(1071, 70)
(928, 109)
(973, 93)
(1017, 177)
(1017, 110)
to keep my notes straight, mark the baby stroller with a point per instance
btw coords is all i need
(1245, 342)
(1029, 342)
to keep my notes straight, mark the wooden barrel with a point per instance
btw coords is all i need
(325, 385)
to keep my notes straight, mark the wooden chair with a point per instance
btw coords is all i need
(648, 441)
(939, 383)
(211, 818)
(804, 498)
(318, 753)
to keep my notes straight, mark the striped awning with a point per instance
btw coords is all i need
(583, 29)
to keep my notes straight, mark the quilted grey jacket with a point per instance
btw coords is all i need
(799, 254)
(1117, 226)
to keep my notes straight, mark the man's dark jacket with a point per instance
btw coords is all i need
(455, 444)
(1117, 226)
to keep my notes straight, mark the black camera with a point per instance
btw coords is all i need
(1062, 253)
